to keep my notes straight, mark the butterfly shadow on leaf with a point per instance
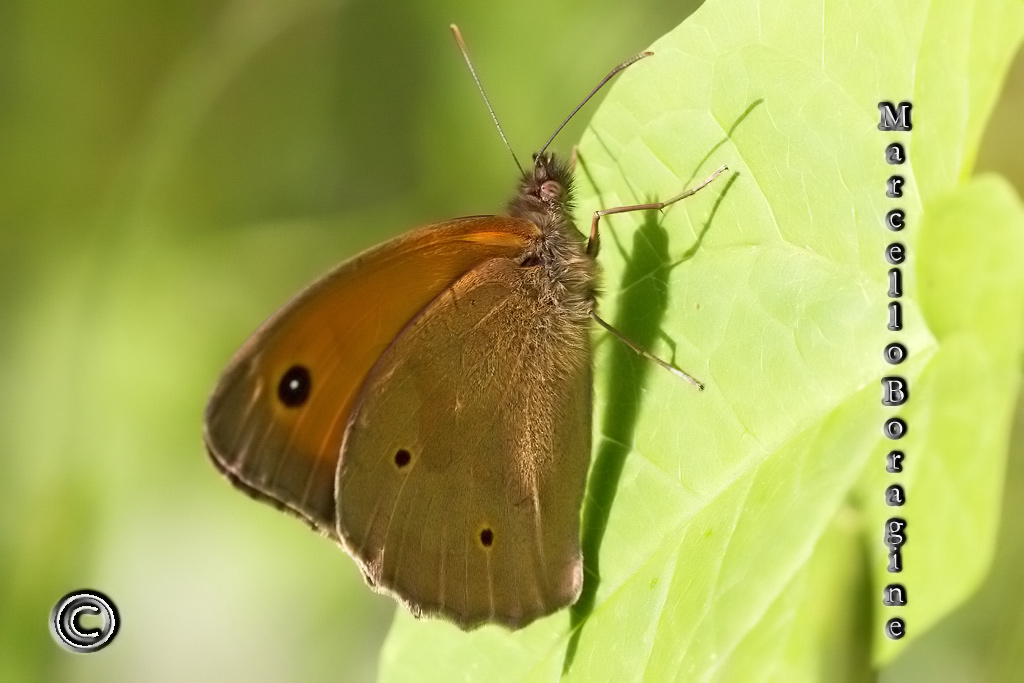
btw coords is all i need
(643, 300)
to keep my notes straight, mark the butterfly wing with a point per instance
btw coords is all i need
(275, 421)
(463, 468)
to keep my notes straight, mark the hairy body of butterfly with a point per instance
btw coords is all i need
(428, 405)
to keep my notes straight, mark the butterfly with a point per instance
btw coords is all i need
(427, 404)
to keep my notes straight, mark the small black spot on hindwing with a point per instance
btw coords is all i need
(294, 387)
(402, 458)
(486, 537)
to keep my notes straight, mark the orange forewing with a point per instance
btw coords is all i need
(336, 328)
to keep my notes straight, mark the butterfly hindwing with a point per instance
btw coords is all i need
(464, 464)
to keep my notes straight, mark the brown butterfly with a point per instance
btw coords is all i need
(427, 405)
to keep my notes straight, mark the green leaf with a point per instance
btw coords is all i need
(736, 534)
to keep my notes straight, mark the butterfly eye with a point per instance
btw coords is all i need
(294, 387)
(550, 190)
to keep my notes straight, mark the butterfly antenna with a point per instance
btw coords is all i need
(632, 60)
(465, 55)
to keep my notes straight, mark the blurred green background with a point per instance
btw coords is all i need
(170, 172)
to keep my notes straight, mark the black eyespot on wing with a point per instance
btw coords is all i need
(402, 458)
(294, 387)
(486, 537)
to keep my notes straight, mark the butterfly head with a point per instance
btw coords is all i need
(545, 188)
(550, 180)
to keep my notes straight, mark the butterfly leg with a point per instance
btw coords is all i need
(592, 243)
(646, 354)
